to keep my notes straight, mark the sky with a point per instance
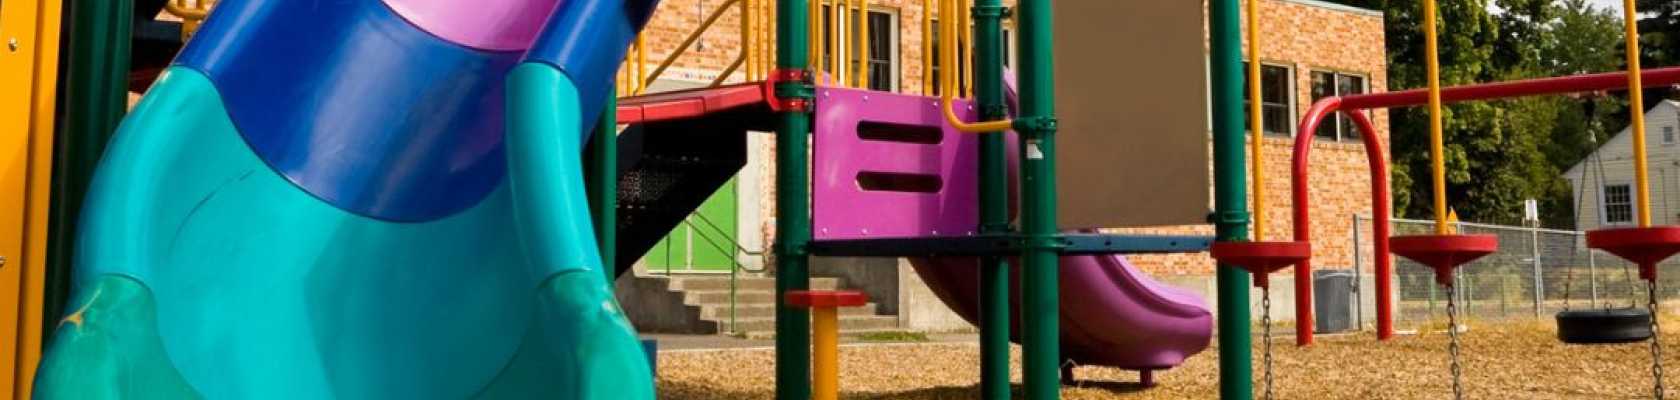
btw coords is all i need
(1615, 5)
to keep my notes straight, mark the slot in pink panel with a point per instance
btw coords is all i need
(885, 165)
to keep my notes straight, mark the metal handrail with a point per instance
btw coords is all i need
(735, 265)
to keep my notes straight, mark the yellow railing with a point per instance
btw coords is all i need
(839, 51)
(756, 42)
(191, 12)
(948, 76)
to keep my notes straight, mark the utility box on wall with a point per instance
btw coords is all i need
(1131, 95)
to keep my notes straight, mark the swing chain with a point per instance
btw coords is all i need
(1656, 340)
(1452, 344)
(1266, 338)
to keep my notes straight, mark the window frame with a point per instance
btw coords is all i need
(1289, 98)
(1343, 134)
(1604, 204)
(848, 22)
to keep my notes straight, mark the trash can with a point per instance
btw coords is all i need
(1333, 300)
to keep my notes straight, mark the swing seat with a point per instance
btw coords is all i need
(1443, 253)
(1644, 246)
(1604, 326)
(1261, 258)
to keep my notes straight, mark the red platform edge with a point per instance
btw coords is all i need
(690, 103)
(1443, 253)
(1261, 258)
(826, 298)
(1644, 246)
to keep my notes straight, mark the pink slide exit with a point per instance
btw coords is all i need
(1112, 313)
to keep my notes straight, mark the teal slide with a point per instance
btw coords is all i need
(391, 209)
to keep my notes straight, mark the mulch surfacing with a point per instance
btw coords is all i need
(1514, 360)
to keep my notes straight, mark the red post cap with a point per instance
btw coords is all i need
(1261, 258)
(1443, 253)
(1644, 246)
(826, 298)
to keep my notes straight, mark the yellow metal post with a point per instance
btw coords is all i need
(927, 48)
(965, 41)
(851, 34)
(748, 41)
(641, 63)
(863, 44)
(834, 43)
(767, 39)
(28, 62)
(1636, 105)
(825, 353)
(1255, 120)
(1436, 153)
(815, 40)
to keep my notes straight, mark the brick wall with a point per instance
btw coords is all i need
(1303, 35)
(1340, 186)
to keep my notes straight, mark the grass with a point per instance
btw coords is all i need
(892, 336)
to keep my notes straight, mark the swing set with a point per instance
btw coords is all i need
(1444, 250)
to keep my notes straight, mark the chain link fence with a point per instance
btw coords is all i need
(1536, 273)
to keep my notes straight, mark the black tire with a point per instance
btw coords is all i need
(1599, 326)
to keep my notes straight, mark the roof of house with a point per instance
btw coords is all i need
(1620, 139)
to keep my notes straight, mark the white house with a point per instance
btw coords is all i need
(1603, 183)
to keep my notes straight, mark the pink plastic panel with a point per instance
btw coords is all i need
(841, 206)
(499, 25)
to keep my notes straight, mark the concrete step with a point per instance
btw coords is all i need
(848, 324)
(710, 283)
(720, 312)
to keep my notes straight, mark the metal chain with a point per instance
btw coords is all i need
(1452, 344)
(1656, 340)
(1266, 337)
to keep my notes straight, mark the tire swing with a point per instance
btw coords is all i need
(1607, 325)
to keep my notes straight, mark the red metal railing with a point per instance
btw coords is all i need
(1351, 105)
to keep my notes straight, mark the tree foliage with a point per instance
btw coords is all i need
(1499, 153)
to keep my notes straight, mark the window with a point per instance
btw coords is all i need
(882, 52)
(1617, 204)
(882, 40)
(1008, 49)
(1327, 84)
(1278, 115)
(1668, 135)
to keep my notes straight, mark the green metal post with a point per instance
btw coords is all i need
(994, 201)
(1040, 308)
(1230, 196)
(603, 185)
(793, 206)
(93, 97)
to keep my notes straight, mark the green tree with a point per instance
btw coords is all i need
(1498, 153)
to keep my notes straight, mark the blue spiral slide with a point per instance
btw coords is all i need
(344, 199)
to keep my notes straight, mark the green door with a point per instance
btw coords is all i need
(705, 242)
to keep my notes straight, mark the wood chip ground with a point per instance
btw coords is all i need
(1514, 360)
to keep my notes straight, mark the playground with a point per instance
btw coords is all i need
(1503, 360)
(447, 199)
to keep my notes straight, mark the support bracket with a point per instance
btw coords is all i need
(790, 89)
(1040, 125)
